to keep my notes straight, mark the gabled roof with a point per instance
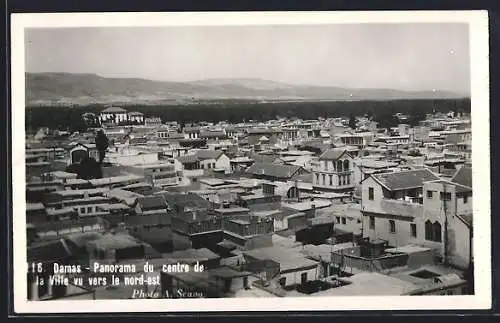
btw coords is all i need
(466, 219)
(51, 251)
(208, 154)
(180, 201)
(273, 170)
(463, 176)
(212, 134)
(458, 188)
(153, 202)
(187, 159)
(333, 154)
(396, 181)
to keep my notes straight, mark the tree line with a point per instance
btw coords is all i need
(70, 118)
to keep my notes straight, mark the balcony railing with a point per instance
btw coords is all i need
(401, 207)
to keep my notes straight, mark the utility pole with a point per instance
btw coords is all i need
(445, 208)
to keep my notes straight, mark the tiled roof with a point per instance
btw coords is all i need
(208, 154)
(405, 180)
(466, 218)
(273, 170)
(333, 154)
(51, 251)
(212, 134)
(186, 159)
(458, 187)
(185, 200)
(463, 176)
(153, 202)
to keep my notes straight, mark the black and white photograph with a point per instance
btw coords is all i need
(246, 161)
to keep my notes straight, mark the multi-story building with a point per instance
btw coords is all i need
(417, 207)
(158, 174)
(85, 202)
(113, 115)
(358, 139)
(333, 171)
(135, 117)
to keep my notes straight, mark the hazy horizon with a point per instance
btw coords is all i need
(409, 57)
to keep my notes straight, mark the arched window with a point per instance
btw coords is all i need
(436, 232)
(346, 165)
(433, 231)
(339, 166)
(428, 230)
(292, 192)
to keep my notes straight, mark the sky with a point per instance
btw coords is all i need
(397, 56)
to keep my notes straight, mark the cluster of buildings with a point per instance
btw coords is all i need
(276, 209)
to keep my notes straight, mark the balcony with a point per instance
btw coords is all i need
(401, 208)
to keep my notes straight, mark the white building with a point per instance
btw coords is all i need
(113, 115)
(136, 117)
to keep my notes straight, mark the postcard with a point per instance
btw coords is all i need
(250, 161)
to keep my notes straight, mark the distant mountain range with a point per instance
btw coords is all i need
(84, 89)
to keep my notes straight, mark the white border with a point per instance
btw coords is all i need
(478, 22)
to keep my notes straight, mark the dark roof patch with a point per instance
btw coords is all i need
(405, 180)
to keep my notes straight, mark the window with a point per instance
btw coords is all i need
(429, 194)
(466, 199)
(343, 220)
(432, 231)
(82, 210)
(445, 196)
(428, 230)
(436, 231)
(324, 179)
(413, 230)
(370, 193)
(346, 165)
(333, 165)
(317, 178)
(372, 222)
(392, 226)
(213, 165)
(89, 209)
(331, 180)
(339, 166)
(337, 218)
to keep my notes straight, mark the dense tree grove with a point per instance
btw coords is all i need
(70, 118)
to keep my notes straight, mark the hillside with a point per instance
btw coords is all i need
(83, 89)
